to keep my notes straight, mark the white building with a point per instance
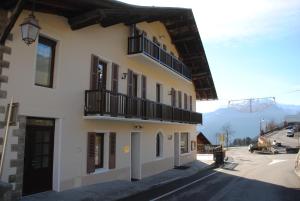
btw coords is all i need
(108, 91)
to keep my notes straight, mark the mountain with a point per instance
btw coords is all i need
(244, 124)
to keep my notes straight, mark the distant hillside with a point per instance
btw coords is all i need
(244, 124)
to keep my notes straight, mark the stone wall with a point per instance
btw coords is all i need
(13, 190)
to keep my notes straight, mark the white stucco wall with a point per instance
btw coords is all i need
(65, 102)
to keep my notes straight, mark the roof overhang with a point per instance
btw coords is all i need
(179, 22)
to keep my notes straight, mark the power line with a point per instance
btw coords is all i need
(252, 104)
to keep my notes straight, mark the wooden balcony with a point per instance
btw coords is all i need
(141, 44)
(106, 103)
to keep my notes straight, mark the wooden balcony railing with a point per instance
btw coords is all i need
(104, 102)
(141, 44)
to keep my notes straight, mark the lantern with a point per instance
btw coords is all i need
(30, 29)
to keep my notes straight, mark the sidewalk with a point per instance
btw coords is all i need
(119, 189)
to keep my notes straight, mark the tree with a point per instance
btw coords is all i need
(228, 131)
(271, 125)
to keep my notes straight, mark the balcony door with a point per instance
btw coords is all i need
(98, 74)
(132, 92)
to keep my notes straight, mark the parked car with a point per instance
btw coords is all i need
(290, 133)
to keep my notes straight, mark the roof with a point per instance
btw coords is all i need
(180, 23)
(202, 138)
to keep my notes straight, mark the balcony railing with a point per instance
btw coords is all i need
(141, 44)
(104, 102)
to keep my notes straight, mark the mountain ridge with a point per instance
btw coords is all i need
(244, 124)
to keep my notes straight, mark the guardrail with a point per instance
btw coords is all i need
(141, 44)
(105, 102)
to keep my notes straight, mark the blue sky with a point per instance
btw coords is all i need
(252, 46)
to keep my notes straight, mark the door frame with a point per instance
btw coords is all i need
(176, 149)
(139, 154)
(55, 184)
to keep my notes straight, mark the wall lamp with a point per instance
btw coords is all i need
(30, 28)
(124, 75)
(138, 126)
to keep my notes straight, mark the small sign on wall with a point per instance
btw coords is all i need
(126, 149)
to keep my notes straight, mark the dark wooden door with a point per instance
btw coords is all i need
(38, 159)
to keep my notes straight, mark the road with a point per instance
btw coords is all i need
(246, 177)
(280, 136)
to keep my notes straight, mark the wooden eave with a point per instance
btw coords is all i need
(179, 22)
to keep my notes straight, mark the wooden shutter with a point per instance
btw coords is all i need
(90, 165)
(144, 87)
(191, 103)
(94, 73)
(179, 99)
(114, 78)
(185, 101)
(129, 83)
(112, 150)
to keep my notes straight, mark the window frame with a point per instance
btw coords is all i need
(52, 44)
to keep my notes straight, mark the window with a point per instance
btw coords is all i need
(184, 143)
(159, 145)
(135, 84)
(179, 100)
(99, 149)
(45, 62)
(96, 151)
(191, 103)
(185, 101)
(144, 87)
(173, 97)
(114, 78)
(158, 89)
(98, 74)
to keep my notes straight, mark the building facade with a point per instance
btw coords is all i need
(97, 103)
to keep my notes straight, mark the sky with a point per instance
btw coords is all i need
(252, 47)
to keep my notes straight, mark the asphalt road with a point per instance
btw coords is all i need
(280, 136)
(246, 177)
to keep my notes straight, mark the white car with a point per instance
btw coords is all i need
(290, 133)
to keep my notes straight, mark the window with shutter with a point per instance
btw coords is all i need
(99, 150)
(185, 101)
(191, 103)
(112, 150)
(114, 78)
(91, 152)
(173, 97)
(129, 82)
(144, 87)
(179, 99)
(98, 74)
(158, 92)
